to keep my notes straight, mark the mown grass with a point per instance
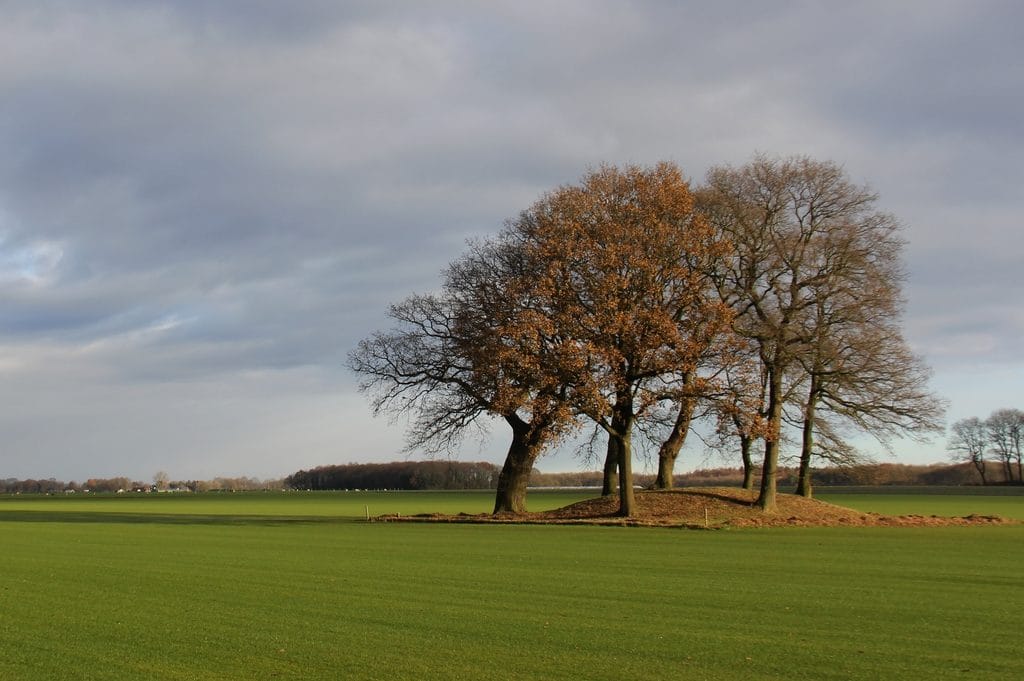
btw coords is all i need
(272, 506)
(247, 598)
(947, 502)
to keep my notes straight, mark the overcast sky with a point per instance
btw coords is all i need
(205, 204)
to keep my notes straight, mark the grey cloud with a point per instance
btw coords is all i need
(237, 193)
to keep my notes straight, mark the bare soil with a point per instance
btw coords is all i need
(707, 508)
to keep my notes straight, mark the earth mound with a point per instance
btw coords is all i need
(707, 507)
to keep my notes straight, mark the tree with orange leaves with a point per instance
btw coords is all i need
(476, 348)
(622, 283)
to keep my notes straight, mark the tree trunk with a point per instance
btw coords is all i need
(803, 485)
(622, 431)
(766, 499)
(666, 469)
(803, 480)
(611, 468)
(979, 465)
(669, 450)
(748, 465)
(627, 498)
(510, 497)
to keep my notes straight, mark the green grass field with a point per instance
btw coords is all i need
(294, 586)
(941, 501)
(270, 507)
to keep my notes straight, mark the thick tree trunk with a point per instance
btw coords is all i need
(670, 448)
(510, 497)
(803, 484)
(627, 498)
(666, 470)
(803, 480)
(748, 465)
(610, 485)
(766, 498)
(622, 431)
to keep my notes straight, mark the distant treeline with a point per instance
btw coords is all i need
(412, 475)
(426, 475)
(897, 474)
(52, 485)
(867, 474)
(423, 475)
(121, 484)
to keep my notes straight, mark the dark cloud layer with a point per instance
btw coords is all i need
(203, 208)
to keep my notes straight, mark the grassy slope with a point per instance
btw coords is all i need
(185, 596)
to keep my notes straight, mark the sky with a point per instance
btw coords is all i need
(205, 205)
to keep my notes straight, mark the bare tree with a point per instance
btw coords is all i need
(809, 250)
(968, 442)
(859, 370)
(1005, 428)
(161, 480)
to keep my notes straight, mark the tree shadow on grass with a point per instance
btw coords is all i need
(167, 518)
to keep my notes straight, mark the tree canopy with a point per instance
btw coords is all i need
(772, 291)
(814, 277)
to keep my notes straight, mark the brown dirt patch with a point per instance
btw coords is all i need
(710, 508)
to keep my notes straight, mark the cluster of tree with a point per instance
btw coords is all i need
(225, 484)
(412, 475)
(766, 300)
(993, 443)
